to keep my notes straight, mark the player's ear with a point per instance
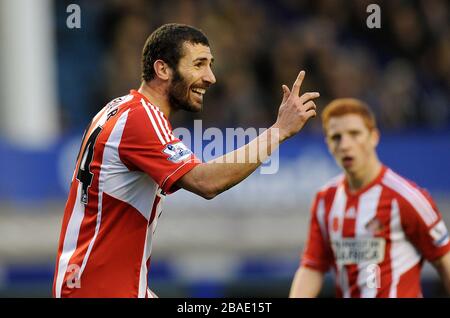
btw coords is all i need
(375, 137)
(162, 70)
(327, 142)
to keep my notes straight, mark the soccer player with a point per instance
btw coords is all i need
(372, 226)
(129, 160)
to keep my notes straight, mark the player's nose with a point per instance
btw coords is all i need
(209, 77)
(345, 142)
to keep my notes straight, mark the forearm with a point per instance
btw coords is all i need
(443, 268)
(306, 283)
(446, 281)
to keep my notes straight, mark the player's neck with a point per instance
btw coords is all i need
(157, 95)
(362, 178)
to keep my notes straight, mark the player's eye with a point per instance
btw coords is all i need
(335, 137)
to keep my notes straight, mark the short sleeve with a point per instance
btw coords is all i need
(317, 254)
(424, 226)
(148, 145)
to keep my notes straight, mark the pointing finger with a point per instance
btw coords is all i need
(298, 83)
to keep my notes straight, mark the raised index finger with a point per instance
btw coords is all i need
(298, 83)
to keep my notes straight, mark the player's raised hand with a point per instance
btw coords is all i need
(295, 110)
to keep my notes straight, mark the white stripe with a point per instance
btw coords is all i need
(343, 280)
(70, 241)
(155, 127)
(321, 218)
(110, 153)
(166, 124)
(133, 187)
(172, 137)
(412, 195)
(100, 113)
(417, 195)
(403, 254)
(143, 274)
(160, 117)
(337, 211)
(367, 210)
(396, 237)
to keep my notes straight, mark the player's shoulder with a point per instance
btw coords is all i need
(113, 106)
(140, 107)
(122, 100)
(410, 196)
(402, 186)
(144, 119)
(133, 102)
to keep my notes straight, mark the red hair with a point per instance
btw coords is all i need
(344, 106)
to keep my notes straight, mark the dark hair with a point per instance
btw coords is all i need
(166, 43)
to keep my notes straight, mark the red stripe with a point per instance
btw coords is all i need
(384, 211)
(348, 230)
(409, 283)
(328, 202)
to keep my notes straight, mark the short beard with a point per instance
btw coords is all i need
(179, 94)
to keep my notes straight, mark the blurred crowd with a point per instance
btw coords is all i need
(402, 69)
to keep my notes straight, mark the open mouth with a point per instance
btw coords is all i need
(199, 91)
(347, 161)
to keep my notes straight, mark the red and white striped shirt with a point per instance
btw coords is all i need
(129, 159)
(375, 239)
